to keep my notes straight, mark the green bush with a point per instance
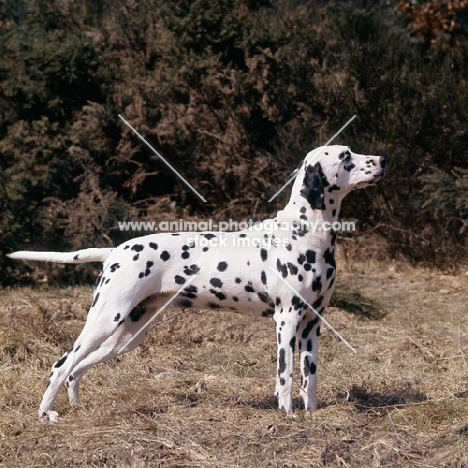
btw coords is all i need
(233, 94)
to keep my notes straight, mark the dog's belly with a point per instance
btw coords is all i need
(238, 299)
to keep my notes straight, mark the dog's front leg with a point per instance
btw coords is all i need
(286, 329)
(308, 334)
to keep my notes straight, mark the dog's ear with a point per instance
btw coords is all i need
(312, 187)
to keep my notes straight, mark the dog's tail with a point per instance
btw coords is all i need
(80, 256)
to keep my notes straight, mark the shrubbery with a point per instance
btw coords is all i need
(234, 93)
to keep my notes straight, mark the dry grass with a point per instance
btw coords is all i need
(198, 393)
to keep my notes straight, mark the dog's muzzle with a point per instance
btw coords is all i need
(381, 174)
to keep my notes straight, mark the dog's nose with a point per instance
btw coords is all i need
(382, 162)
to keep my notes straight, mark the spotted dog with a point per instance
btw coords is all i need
(142, 274)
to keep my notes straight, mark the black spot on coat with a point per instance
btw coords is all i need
(191, 270)
(98, 280)
(313, 368)
(268, 312)
(96, 298)
(329, 257)
(317, 284)
(189, 291)
(60, 362)
(216, 282)
(292, 268)
(292, 343)
(179, 279)
(222, 266)
(281, 361)
(283, 269)
(218, 294)
(317, 303)
(184, 303)
(165, 256)
(310, 256)
(263, 297)
(310, 325)
(297, 303)
(149, 264)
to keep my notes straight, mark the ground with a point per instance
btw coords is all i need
(199, 392)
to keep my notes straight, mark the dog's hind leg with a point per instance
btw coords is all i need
(128, 336)
(100, 325)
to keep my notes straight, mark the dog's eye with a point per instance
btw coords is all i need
(345, 156)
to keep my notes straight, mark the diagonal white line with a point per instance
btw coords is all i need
(158, 312)
(314, 311)
(162, 158)
(283, 187)
(340, 130)
(326, 144)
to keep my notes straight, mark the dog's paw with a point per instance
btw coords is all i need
(285, 404)
(76, 403)
(50, 415)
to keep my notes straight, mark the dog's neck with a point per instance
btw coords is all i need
(314, 201)
(298, 209)
(320, 228)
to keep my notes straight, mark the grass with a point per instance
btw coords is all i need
(199, 392)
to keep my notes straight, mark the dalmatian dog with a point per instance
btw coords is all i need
(255, 271)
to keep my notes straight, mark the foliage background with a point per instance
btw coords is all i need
(234, 94)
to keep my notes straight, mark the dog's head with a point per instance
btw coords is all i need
(336, 169)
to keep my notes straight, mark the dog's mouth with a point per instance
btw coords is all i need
(378, 178)
(374, 181)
